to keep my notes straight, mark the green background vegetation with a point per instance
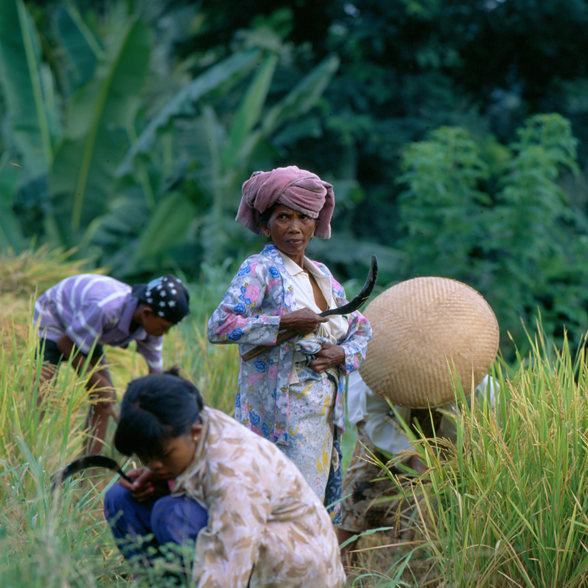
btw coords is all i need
(453, 132)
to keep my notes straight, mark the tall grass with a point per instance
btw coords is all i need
(510, 506)
(60, 539)
(213, 368)
(45, 539)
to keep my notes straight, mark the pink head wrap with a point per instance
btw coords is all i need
(293, 187)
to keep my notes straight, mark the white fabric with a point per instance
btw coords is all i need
(336, 328)
(379, 421)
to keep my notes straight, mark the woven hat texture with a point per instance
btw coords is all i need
(427, 333)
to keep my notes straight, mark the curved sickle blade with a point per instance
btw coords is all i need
(88, 461)
(363, 295)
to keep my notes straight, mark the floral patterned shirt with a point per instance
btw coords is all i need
(249, 314)
(265, 524)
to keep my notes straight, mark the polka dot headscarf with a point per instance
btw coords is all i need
(167, 297)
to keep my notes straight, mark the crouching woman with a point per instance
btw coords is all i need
(251, 516)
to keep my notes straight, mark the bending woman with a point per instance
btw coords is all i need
(247, 511)
(293, 393)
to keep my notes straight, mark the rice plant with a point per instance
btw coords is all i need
(509, 507)
(60, 539)
(506, 505)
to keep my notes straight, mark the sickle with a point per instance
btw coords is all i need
(348, 308)
(88, 461)
(363, 294)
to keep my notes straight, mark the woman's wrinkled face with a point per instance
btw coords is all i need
(290, 231)
(176, 455)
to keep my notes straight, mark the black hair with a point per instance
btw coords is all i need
(265, 216)
(155, 408)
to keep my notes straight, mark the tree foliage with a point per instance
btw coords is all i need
(504, 228)
(138, 187)
(129, 127)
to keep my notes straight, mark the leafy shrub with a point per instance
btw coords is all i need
(505, 227)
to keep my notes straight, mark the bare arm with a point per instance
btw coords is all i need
(102, 392)
(416, 464)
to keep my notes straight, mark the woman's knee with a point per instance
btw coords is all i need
(117, 499)
(125, 515)
(176, 519)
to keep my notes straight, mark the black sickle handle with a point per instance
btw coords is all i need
(88, 461)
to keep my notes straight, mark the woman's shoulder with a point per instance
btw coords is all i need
(321, 267)
(216, 415)
(261, 257)
(224, 427)
(229, 437)
(265, 262)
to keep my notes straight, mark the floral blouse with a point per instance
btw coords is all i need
(249, 314)
(266, 527)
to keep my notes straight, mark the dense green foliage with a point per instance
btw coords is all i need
(129, 126)
(504, 226)
(137, 156)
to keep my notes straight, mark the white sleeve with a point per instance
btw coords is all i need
(487, 387)
(379, 420)
(356, 391)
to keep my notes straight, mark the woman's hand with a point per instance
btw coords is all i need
(146, 485)
(329, 356)
(301, 321)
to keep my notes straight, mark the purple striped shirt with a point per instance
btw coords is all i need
(89, 309)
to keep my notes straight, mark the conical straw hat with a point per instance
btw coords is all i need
(428, 333)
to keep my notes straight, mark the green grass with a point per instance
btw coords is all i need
(61, 539)
(508, 507)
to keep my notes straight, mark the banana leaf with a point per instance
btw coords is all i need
(25, 89)
(303, 96)
(224, 155)
(80, 46)
(226, 72)
(10, 234)
(166, 228)
(253, 125)
(98, 116)
(250, 110)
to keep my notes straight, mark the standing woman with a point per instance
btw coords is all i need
(293, 393)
